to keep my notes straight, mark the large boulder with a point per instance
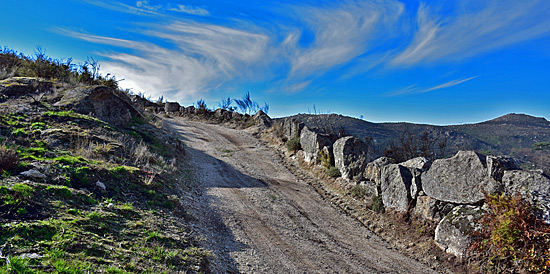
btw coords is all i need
(395, 186)
(312, 143)
(292, 128)
(350, 157)
(101, 102)
(454, 233)
(459, 179)
(171, 107)
(533, 186)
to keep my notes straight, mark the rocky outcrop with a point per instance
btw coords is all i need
(350, 157)
(101, 102)
(312, 143)
(531, 185)
(190, 110)
(454, 233)
(373, 171)
(292, 128)
(430, 208)
(171, 107)
(262, 120)
(395, 186)
(18, 86)
(459, 179)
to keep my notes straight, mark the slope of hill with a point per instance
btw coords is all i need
(511, 134)
(82, 195)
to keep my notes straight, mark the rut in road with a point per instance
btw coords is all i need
(258, 217)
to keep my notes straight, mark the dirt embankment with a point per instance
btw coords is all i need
(259, 217)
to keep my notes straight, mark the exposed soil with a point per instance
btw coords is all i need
(259, 217)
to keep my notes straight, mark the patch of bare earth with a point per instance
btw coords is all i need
(260, 213)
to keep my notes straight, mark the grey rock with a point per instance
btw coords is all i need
(373, 170)
(190, 110)
(459, 179)
(30, 256)
(454, 233)
(533, 186)
(395, 186)
(101, 185)
(292, 128)
(426, 207)
(372, 188)
(262, 120)
(18, 86)
(496, 165)
(350, 157)
(171, 107)
(237, 116)
(312, 143)
(34, 174)
(418, 163)
(430, 208)
(416, 184)
(101, 102)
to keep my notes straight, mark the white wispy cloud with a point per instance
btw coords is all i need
(475, 27)
(190, 10)
(205, 57)
(341, 33)
(356, 35)
(415, 89)
(449, 84)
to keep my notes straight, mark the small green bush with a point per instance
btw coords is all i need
(293, 144)
(377, 204)
(333, 172)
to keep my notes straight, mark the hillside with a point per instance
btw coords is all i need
(90, 184)
(511, 134)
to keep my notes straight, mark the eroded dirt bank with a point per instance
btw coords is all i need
(259, 217)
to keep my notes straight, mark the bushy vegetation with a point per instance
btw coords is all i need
(293, 144)
(333, 172)
(248, 106)
(410, 146)
(14, 64)
(358, 192)
(512, 239)
(377, 204)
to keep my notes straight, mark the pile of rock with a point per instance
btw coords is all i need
(449, 191)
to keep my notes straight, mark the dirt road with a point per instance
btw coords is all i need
(259, 218)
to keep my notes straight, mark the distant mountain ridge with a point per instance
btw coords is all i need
(511, 134)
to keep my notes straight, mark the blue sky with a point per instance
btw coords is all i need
(438, 62)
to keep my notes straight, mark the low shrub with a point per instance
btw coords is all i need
(358, 192)
(512, 238)
(377, 204)
(293, 144)
(333, 172)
